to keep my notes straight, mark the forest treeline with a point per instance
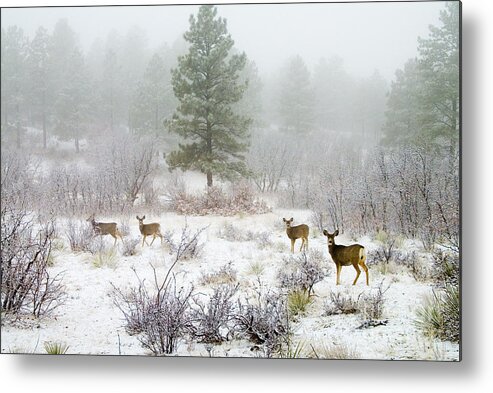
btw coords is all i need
(360, 153)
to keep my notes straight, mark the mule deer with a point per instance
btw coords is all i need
(153, 229)
(347, 255)
(296, 232)
(105, 228)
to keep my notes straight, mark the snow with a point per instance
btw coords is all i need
(90, 323)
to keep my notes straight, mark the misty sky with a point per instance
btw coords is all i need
(367, 36)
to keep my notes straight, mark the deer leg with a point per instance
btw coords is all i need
(338, 274)
(143, 240)
(365, 268)
(306, 244)
(302, 244)
(161, 236)
(292, 245)
(358, 272)
(153, 238)
(114, 244)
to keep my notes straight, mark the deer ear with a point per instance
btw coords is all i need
(291, 219)
(137, 217)
(336, 232)
(284, 219)
(143, 217)
(325, 232)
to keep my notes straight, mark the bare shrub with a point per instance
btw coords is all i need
(214, 200)
(372, 304)
(80, 235)
(162, 318)
(418, 267)
(27, 284)
(341, 303)
(302, 272)
(446, 268)
(103, 255)
(265, 321)
(213, 321)
(225, 275)
(194, 247)
(231, 233)
(130, 246)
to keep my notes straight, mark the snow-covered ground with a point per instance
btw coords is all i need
(90, 323)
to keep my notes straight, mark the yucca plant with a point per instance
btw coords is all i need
(55, 348)
(298, 302)
(439, 316)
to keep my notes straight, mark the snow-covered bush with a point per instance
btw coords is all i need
(265, 321)
(214, 200)
(233, 233)
(213, 320)
(225, 275)
(302, 272)
(446, 269)
(162, 317)
(27, 284)
(194, 246)
(103, 255)
(372, 303)
(80, 235)
(341, 303)
(130, 246)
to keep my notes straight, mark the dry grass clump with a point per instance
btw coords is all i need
(333, 351)
(225, 275)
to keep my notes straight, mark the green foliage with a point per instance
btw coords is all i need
(206, 86)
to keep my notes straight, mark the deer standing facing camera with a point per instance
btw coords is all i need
(347, 255)
(153, 229)
(297, 232)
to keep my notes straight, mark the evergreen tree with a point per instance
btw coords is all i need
(423, 105)
(153, 101)
(39, 77)
(206, 86)
(14, 52)
(296, 98)
(332, 90)
(72, 104)
(403, 106)
(439, 66)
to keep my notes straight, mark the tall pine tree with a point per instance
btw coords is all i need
(206, 85)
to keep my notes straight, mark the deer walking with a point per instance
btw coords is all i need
(153, 229)
(347, 255)
(297, 232)
(105, 228)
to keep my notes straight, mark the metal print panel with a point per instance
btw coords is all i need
(243, 180)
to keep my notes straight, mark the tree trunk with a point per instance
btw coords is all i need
(18, 127)
(77, 147)
(209, 179)
(44, 130)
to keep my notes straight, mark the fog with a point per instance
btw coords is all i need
(367, 37)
